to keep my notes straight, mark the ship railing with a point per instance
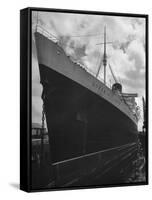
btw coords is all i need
(90, 72)
(84, 67)
(52, 37)
(47, 34)
(94, 74)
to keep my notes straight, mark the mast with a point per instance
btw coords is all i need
(104, 56)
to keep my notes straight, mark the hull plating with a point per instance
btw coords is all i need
(80, 122)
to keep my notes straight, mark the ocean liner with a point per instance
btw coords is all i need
(91, 126)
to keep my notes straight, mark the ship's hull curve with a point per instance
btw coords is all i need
(80, 122)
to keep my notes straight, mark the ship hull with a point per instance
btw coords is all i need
(80, 122)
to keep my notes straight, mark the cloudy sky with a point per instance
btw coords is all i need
(79, 35)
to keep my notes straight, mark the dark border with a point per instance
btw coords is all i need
(147, 96)
(24, 100)
(87, 12)
(29, 85)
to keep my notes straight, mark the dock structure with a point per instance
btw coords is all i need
(97, 168)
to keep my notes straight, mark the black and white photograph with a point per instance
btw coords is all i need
(75, 100)
(88, 99)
